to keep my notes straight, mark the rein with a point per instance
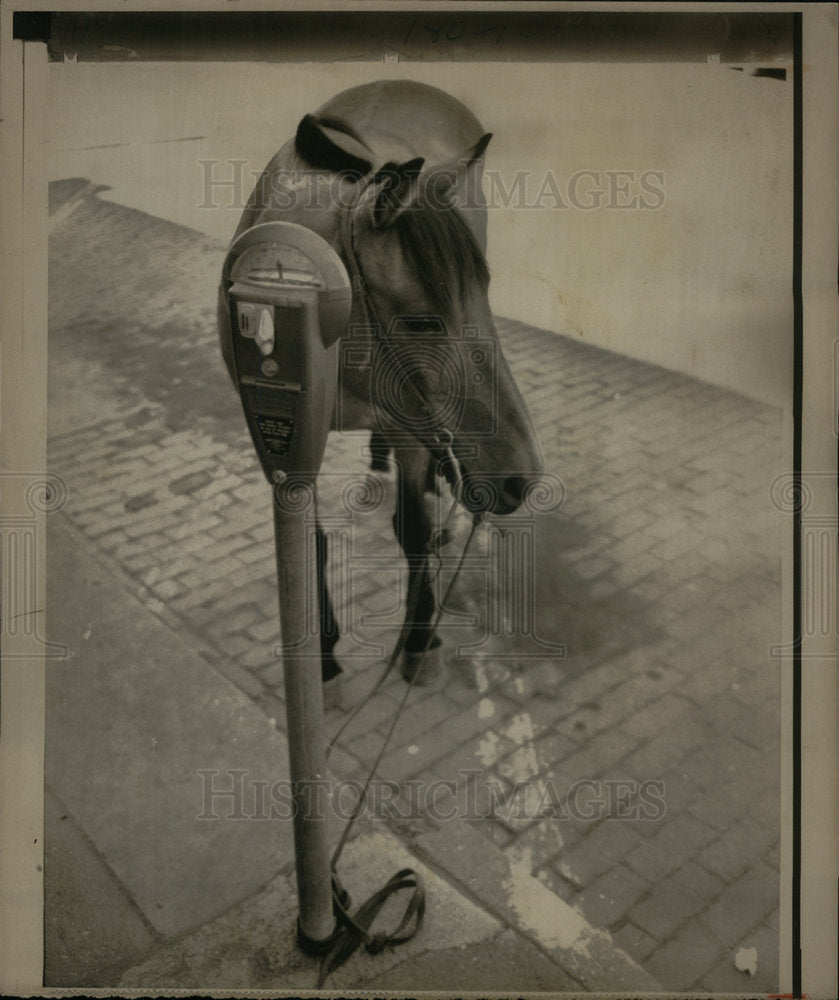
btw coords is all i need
(354, 929)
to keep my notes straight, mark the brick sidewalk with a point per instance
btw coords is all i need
(659, 573)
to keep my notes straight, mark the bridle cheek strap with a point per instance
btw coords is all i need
(440, 441)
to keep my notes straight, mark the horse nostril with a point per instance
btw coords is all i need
(498, 496)
(514, 487)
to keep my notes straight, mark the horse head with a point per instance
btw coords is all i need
(411, 229)
(413, 242)
(389, 175)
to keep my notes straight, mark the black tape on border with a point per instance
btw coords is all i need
(32, 25)
(423, 35)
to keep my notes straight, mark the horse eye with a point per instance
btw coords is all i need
(420, 324)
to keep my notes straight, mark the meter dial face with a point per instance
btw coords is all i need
(275, 264)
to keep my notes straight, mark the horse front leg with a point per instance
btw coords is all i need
(329, 634)
(379, 452)
(413, 527)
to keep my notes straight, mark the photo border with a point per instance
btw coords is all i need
(810, 700)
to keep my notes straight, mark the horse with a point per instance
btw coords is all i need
(389, 174)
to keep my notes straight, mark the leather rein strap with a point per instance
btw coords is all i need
(354, 929)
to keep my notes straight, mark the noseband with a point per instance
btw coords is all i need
(440, 439)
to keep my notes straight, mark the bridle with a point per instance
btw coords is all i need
(439, 440)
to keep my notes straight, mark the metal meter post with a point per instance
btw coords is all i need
(296, 583)
(288, 299)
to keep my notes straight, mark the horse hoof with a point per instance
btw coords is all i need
(333, 693)
(428, 668)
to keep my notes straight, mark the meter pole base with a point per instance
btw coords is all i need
(316, 948)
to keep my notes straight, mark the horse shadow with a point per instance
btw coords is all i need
(547, 595)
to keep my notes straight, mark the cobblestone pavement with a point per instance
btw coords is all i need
(637, 774)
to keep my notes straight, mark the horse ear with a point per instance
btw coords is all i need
(330, 145)
(398, 186)
(479, 148)
(449, 177)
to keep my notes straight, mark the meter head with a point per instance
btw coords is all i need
(288, 300)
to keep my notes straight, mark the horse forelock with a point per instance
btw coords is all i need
(443, 252)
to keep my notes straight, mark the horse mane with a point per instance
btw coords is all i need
(435, 237)
(443, 250)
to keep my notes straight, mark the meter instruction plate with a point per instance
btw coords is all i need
(276, 432)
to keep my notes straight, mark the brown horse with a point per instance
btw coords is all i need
(389, 174)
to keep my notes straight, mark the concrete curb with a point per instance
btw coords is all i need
(547, 945)
(522, 902)
(471, 881)
(134, 715)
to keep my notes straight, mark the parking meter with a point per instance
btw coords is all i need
(289, 299)
(285, 301)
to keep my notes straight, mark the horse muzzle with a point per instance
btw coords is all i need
(482, 493)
